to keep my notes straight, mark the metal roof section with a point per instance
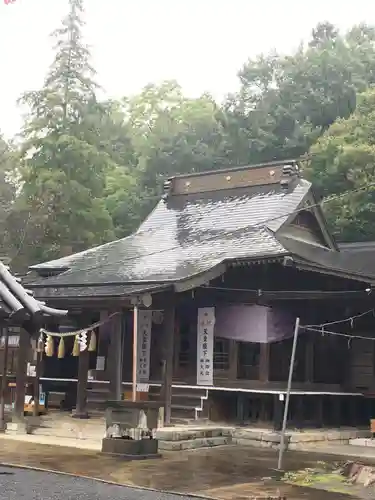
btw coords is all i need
(18, 304)
(193, 229)
(351, 263)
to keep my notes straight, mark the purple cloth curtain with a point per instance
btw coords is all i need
(253, 323)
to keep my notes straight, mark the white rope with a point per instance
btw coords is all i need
(345, 320)
(81, 330)
(327, 332)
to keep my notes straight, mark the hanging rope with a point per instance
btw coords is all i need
(339, 334)
(92, 343)
(75, 351)
(80, 331)
(345, 320)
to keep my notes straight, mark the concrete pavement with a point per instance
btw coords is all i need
(18, 484)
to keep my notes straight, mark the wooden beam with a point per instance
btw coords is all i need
(38, 365)
(83, 370)
(278, 407)
(264, 362)
(21, 375)
(115, 358)
(168, 347)
(4, 379)
(309, 359)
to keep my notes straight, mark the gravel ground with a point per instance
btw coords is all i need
(18, 484)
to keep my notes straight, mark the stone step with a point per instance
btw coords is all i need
(183, 413)
(72, 433)
(186, 401)
(70, 423)
(188, 391)
(194, 443)
(198, 432)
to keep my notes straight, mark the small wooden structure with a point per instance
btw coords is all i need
(21, 316)
(250, 243)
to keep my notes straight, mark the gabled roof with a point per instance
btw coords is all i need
(202, 222)
(18, 304)
(352, 264)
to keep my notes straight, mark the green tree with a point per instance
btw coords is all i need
(344, 160)
(286, 102)
(172, 134)
(8, 184)
(63, 159)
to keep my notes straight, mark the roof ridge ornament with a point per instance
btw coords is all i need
(167, 188)
(289, 173)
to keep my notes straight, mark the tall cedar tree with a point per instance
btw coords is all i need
(63, 162)
(8, 161)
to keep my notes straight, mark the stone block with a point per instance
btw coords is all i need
(193, 444)
(273, 438)
(131, 449)
(247, 434)
(307, 437)
(17, 428)
(165, 434)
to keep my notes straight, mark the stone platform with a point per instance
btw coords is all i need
(362, 441)
(58, 425)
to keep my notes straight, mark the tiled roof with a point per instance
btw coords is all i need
(184, 236)
(353, 260)
(17, 303)
(103, 291)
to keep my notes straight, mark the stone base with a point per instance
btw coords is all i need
(130, 449)
(82, 416)
(17, 428)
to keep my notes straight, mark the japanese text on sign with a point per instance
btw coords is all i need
(205, 345)
(144, 345)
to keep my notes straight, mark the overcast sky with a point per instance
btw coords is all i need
(200, 43)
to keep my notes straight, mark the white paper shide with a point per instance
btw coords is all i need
(144, 345)
(205, 345)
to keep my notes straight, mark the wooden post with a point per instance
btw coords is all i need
(278, 407)
(115, 358)
(38, 363)
(240, 407)
(264, 362)
(83, 371)
(309, 353)
(135, 353)
(320, 411)
(21, 376)
(169, 328)
(4, 380)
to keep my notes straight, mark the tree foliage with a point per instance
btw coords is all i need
(343, 160)
(63, 164)
(286, 102)
(8, 188)
(91, 170)
(172, 134)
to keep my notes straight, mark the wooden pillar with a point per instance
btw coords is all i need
(114, 360)
(83, 370)
(278, 409)
(233, 360)
(300, 406)
(168, 344)
(264, 362)
(38, 363)
(4, 379)
(309, 358)
(240, 407)
(320, 411)
(21, 375)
